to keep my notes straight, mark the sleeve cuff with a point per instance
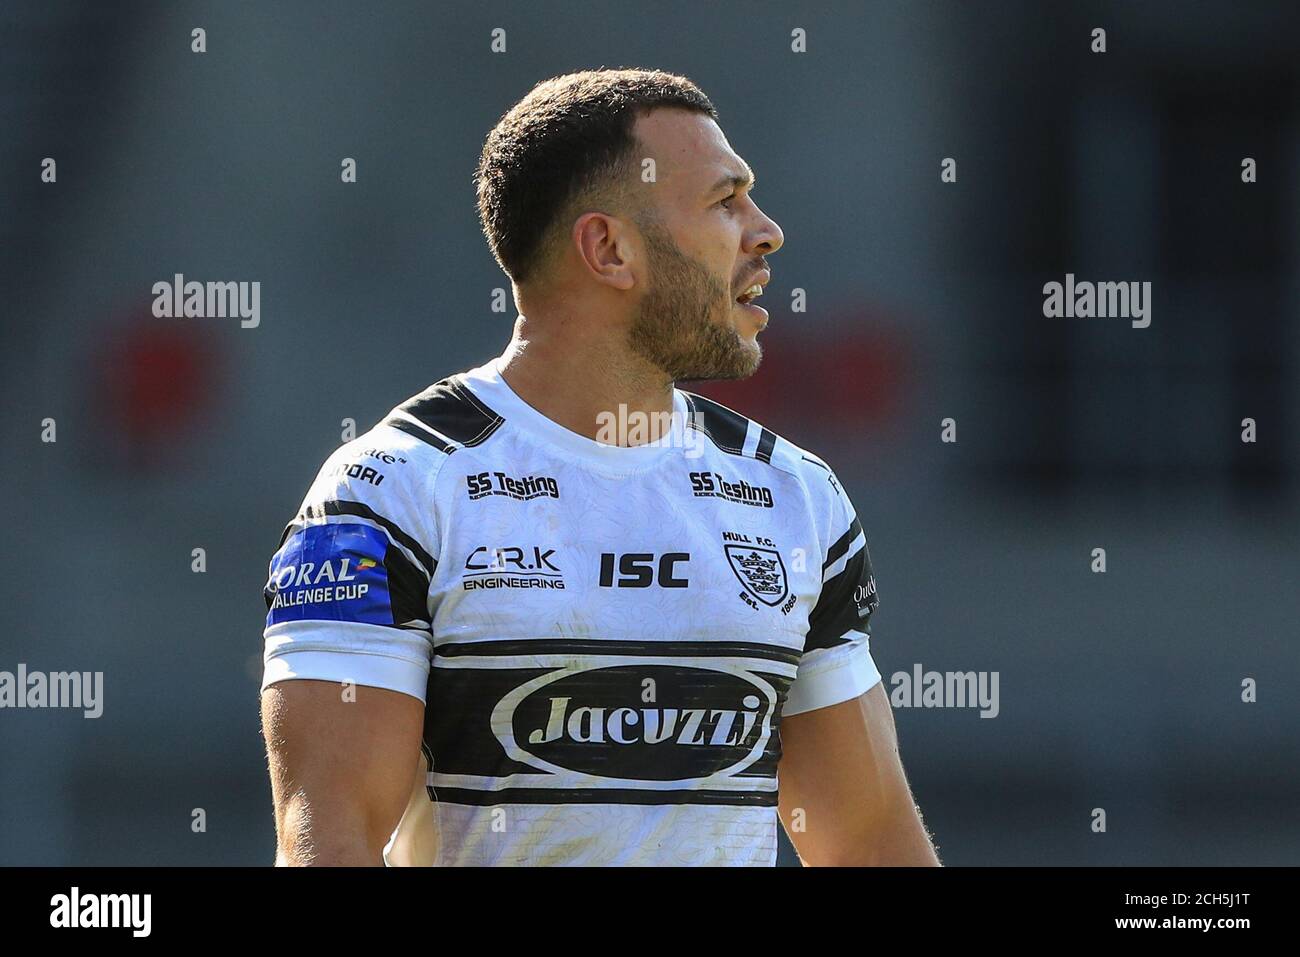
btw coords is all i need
(829, 676)
(373, 671)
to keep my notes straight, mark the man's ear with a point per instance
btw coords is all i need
(606, 248)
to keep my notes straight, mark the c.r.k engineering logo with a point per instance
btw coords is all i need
(511, 566)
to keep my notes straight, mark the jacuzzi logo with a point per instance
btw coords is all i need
(701, 721)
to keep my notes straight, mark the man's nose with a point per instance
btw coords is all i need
(766, 236)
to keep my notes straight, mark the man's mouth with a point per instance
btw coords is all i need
(750, 294)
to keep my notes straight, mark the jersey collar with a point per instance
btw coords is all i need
(489, 385)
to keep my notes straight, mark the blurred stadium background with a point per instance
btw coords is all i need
(1119, 691)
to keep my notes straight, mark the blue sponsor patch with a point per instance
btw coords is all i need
(330, 573)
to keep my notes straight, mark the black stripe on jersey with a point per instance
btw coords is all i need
(424, 435)
(837, 611)
(836, 551)
(820, 465)
(597, 646)
(450, 409)
(459, 723)
(766, 442)
(725, 428)
(342, 507)
(602, 796)
(408, 587)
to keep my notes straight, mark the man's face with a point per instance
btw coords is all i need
(705, 242)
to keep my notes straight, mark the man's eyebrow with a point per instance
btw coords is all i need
(736, 180)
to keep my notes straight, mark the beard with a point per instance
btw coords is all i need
(682, 322)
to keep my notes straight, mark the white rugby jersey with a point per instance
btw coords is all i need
(605, 637)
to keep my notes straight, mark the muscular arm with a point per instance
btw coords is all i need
(341, 770)
(844, 799)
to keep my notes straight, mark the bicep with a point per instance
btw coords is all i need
(342, 759)
(841, 779)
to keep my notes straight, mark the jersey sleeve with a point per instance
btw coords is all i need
(347, 589)
(837, 663)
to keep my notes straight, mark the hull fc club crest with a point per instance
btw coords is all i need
(760, 570)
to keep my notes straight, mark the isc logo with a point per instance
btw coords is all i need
(640, 570)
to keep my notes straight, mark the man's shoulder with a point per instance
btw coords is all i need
(405, 450)
(445, 416)
(737, 434)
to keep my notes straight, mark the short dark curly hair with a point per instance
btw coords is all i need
(570, 139)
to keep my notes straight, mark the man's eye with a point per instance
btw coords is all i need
(723, 203)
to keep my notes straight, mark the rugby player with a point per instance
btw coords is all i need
(555, 610)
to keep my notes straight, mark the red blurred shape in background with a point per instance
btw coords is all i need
(157, 385)
(845, 381)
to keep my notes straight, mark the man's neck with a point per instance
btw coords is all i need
(580, 382)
